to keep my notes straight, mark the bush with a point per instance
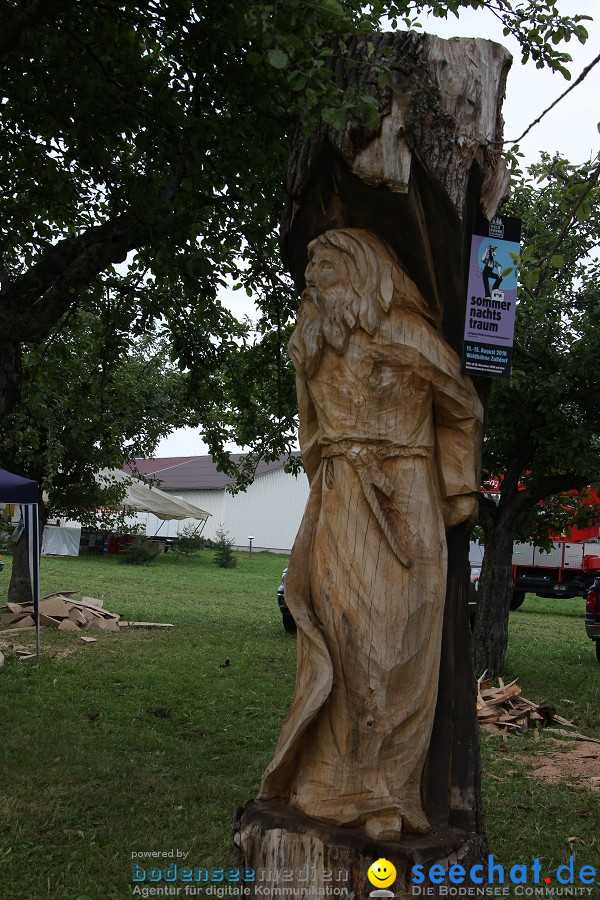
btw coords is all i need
(141, 553)
(6, 541)
(224, 557)
(189, 543)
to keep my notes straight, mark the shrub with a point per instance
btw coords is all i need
(6, 541)
(141, 553)
(224, 557)
(189, 543)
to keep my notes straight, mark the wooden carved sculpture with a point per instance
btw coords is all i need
(379, 754)
(389, 435)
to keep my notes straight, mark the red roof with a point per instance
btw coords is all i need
(195, 473)
(150, 466)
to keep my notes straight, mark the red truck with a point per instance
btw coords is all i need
(569, 570)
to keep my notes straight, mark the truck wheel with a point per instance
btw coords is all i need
(597, 643)
(517, 599)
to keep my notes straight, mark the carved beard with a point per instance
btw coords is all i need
(324, 318)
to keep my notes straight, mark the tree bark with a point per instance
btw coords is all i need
(495, 590)
(19, 588)
(416, 182)
(10, 373)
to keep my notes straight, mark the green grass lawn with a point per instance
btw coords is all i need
(149, 739)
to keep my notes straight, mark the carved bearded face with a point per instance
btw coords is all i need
(325, 301)
(352, 279)
(326, 273)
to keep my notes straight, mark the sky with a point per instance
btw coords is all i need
(570, 128)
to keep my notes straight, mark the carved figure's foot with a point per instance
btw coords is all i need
(416, 823)
(384, 829)
(389, 828)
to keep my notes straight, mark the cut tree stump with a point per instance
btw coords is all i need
(282, 842)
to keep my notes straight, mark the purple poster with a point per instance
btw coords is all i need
(491, 297)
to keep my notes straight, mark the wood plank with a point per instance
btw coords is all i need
(68, 625)
(95, 609)
(92, 601)
(507, 694)
(15, 607)
(55, 607)
(562, 721)
(26, 622)
(77, 616)
(48, 621)
(150, 625)
(108, 625)
(9, 618)
(88, 640)
(574, 735)
(59, 594)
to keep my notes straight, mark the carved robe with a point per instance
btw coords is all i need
(388, 432)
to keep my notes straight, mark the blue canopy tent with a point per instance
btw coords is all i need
(15, 489)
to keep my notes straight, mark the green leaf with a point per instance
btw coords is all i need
(333, 7)
(336, 116)
(277, 58)
(297, 80)
(557, 261)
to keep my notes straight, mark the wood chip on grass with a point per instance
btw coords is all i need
(501, 709)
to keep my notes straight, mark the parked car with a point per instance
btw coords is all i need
(592, 615)
(288, 619)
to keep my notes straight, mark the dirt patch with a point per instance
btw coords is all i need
(564, 763)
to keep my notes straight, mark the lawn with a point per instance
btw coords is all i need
(150, 739)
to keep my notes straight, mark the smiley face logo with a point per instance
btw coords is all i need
(382, 873)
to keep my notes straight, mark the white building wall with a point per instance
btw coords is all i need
(212, 502)
(270, 510)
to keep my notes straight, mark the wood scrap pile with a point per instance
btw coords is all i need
(63, 612)
(501, 709)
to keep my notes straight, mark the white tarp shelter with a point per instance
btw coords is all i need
(61, 540)
(143, 498)
(138, 496)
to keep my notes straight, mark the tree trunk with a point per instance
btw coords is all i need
(19, 589)
(10, 374)
(495, 591)
(416, 183)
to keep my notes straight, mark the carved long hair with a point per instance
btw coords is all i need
(376, 281)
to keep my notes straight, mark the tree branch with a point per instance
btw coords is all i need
(577, 81)
(37, 299)
(549, 485)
